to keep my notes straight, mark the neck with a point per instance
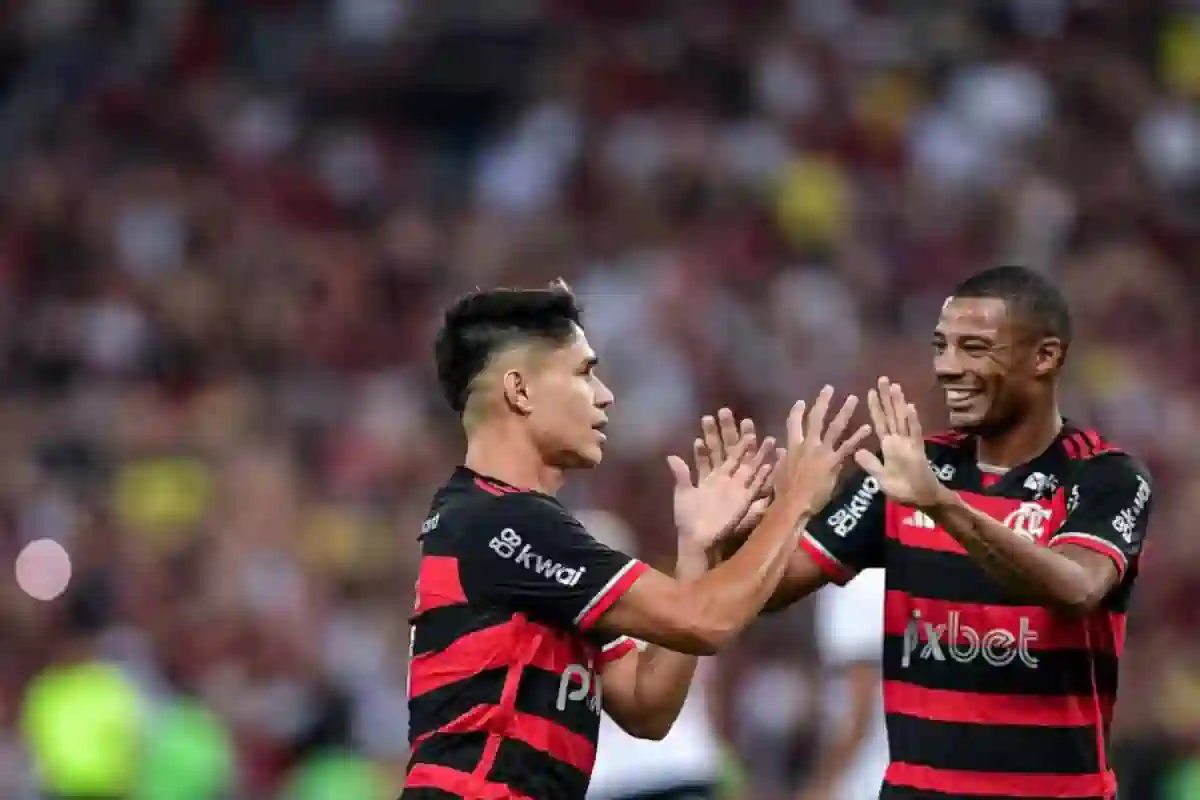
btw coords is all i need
(1021, 443)
(511, 458)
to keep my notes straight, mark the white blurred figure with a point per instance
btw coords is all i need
(686, 763)
(854, 754)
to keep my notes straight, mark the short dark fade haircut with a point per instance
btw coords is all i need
(1029, 295)
(486, 322)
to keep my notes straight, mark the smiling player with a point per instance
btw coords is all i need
(1011, 548)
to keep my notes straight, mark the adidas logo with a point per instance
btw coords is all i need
(920, 519)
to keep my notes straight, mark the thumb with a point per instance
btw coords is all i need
(679, 468)
(869, 462)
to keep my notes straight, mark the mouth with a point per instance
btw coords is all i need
(961, 399)
(599, 428)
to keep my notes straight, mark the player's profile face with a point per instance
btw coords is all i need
(977, 359)
(570, 405)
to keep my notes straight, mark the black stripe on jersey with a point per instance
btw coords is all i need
(538, 695)
(534, 774)
(459, 751)
(904, 793)
(1025, 749)
(442, 627)
(437, 708)
(1059, 673)
(957, 579)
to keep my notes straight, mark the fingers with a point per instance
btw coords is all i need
(879, 420)
(702, 458)
(761, 476)
(914, 424)
(728, 427)
(795, 424)
(900, 409)
(712, 441)
(838, 427)
(852, 444)
(816, 417)
(869, 462)
(679, 468)
(759, 461)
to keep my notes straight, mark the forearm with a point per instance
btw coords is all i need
(1032, 573)
(735, 592)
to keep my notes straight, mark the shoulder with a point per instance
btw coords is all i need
(1110, 467)
(523, 511)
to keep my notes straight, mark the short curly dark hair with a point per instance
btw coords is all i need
(1031, 296)
(483, 323)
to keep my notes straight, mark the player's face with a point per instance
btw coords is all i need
(984, 364)
(570, 406)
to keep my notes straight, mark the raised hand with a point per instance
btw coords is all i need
(718, 435)
(815, 454)
(904, 473)
(710, 508)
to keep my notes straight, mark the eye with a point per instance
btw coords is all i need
(976, 349)
(939, 346)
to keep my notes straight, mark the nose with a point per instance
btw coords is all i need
(604, 395)
(948, 364)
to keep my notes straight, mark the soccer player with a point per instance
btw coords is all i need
(1010, 546)
(522, 627)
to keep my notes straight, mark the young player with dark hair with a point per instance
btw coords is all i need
(524, 623)
(1010, 547)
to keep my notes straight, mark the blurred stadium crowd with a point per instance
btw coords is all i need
(227, 228)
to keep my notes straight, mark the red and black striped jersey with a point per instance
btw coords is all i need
(504, 689)
(986, 696)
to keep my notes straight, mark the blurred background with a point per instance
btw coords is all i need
(228, 227)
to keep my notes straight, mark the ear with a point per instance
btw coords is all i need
(1048, 356)
(516, 391)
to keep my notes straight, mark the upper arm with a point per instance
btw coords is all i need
(845, 538)
(531, 556)
(848, 535)
(1108, 513)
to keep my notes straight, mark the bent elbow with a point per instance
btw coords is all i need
(653, 730)
(1080, 600)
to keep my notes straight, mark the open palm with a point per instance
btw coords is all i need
(904, 473)
(710, 508)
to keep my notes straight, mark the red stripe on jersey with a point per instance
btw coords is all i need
(611, 594)
(1098, 445)
(490, 488)
(557, 741)
(962, 624)
(433, 776)
(916, 529)
(492, 648)
(999, 784)
(940, 705)
(1096, 545)
(828, 564)
(438, 584)
(617, 650)
(1071, 449)
(1082, 447)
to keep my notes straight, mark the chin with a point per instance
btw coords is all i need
(967, 421)
(586, 458)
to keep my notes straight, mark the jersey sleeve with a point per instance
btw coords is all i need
(848, 535)
(1108, 509)
(530, 555)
